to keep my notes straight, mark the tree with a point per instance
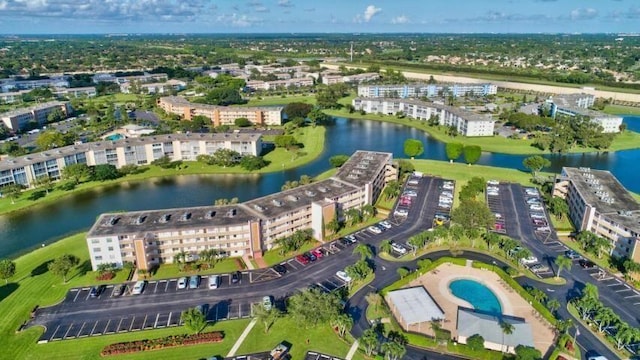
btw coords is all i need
(392, 189)
(492, 239)
(342, 322)
(225, 157)
(507, 329)
(338, 160)
(385, 246)
(473, 214)
(61, 265)
(413, 148)
(312, 307)
(624, 335)
(333, 226)
(393, 350)
(12, 191)
(363, 250)
(7, 269)
(209, 257)
(368, 211)
(104, 172)
(354, 216)
(403, 271)
(562, 262)
(56, 115)
(50, 139)
(358, 271)
(317, 117)
(475, 342)
(45, 182)
(193, 319)
(553, 305)
(297, 110)
(76, 172)
(524, 352)
(471, 154)
(405, 166)
(285, 141)
(604, 318)
(266, 317)
(369, 341)
(453, 150)
(558, 207)
(535, 163)
(252, 162)
(374, 299)
(242, 122)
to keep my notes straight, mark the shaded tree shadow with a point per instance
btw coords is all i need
(7, 290)
(41, 269)
(82, 269)
(37, 195)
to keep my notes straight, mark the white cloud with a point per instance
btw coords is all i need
(583, 14)
(285, 3)
(402, 19)
(238, 20)
(370, 12)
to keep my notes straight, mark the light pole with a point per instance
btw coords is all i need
(493, 263)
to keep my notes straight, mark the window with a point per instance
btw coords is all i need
(97, 258)
(109, 240)
(95, 241)
(96, 249)
(110, 248)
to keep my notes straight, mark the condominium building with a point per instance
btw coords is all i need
(426, 90)
(467, 123)
(153, 88)
(276, 84)
(89, 91)
(7, 85)
(24, 170)
(20, 118)
(148, 238)
(221, 115)
(578, 105)
(143, 79)
(600, 204)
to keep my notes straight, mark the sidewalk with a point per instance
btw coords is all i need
(247, 262)
(352, 351)
(240, 340)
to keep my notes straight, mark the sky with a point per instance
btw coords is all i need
(318, 16)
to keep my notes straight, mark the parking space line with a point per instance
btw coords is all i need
(88, 294)
(632, 296)
(104, 331)
(94, 328)
(166, 286)
(67, 333)
(132, 320)
(169, 319)
(54, 333)
(120, 323)
(155, 324)
(144, 322)
(76, 297)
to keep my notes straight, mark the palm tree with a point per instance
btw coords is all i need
(562, 262)
(416, 242)
(624, 335)
(590, 291)
(180, 258)
(553, 305)
(363, 250)
(209, 257)
(368, 211)
(440, 233)
(333, 226)
(342, 322)
(354, 216)
(369, 341)
(374, 299)
(507, 329)
(393, 350)
(385, 246)
(193, 319)
(266, 317)
(601, 244)
(604, 318)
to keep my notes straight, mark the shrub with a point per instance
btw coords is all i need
(106, 276)
(161, 343)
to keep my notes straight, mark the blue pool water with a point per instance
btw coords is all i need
(114, 137)
(478, 295)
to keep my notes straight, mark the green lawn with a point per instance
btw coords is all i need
(279, 100)
(621, 110)
(321, 339)
(280, 159)
(168, 271)
(273, 257)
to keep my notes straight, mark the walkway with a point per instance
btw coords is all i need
(240, 340)
(247, 262)
(352, 351)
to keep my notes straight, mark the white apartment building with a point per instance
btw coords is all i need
(426, 90)
(148, 238)
(18, 119)
(600, 204)
(276, 84)
(221, 115)
(8, 85)
(578, 105)
(153, 88)
(467, 123)
(24, 170)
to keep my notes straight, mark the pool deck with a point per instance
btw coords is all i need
(437, 284)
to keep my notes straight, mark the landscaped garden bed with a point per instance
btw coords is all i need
(162, 343)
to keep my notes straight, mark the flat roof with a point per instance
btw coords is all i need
(12, 163)
(463, 113)
(414, 305)
(361, 166)
(169, 219)
(596, 186)
(34, 108)
(471, 322)
(271, 206)
(179, 100)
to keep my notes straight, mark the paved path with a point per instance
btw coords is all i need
(240, 340)
(352, 351)
(248, 262)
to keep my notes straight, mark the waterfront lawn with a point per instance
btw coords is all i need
(321, 339)
(280, 100)
(621, 110)
(280, 159)
(172, 271)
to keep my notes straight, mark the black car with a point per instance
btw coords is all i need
(586, 263)
(236, 277)
(280, 269)
(119, 290)
(96, 290)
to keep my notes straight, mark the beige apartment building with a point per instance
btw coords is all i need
(221, 115)
(148, 238)
(24, 170)
(18, 119)
(600, 204)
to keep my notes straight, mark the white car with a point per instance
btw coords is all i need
(543, 229)
(493, 182)
(410, 193)
(182, 283)
(497, 215)
(401, 212)
(374, 230)
(492, 193)
(528, 261)
(385, 224)
(413, 182)
(398, 248)
(538, 216)
(343, 276)
(138, 288)
(448, 194)
(445, 200)
(493, 188)
(447, 186)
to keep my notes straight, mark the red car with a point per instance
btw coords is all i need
(303, 259)
(317, 253)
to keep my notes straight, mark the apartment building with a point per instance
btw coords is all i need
(578, 105)
(221, 115)
(148, 238)
(20, 118)
(89, 91)
(276, 84)
(24, 170)
(7, 85)
(143, 79)
(600, 204)
(467, 123)
(426, 90)
(153, 88)
(12, 97)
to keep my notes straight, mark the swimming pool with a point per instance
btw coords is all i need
(114, 137)
(478, 295)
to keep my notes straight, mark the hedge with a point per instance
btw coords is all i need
(161, 343)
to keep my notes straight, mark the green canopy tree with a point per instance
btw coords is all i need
(12, 191)
(535, 163)
(266, 317)
(194, 320)
(413, 148)
(369, 341)
(338, 160)
(7, 269)
(76, 172)
(472, 154)
(453, 150)
(524, 352)
(342, 322)
(475, 342)
(61, 265)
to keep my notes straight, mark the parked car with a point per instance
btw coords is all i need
(572, 255)
(536, 207)
(97, 290)
(317, 253)
(138, 288)
(352, 238)
(493, 182)
(119, 290)
(280, 269)
(543, 229)
(497, 215)
(398, 248)
(194, 281)
(587, 264)
(236, 277)
(267, 303)
(401, 212)
(374, 230)
(537, 215)
(493, 188)
(303, 259)
(492, 193)
(537, 268)
(182, 283)
(448, 194)
(343, 276)
(413, 182)
(214, 281)
(410, 193)
(385, 224)
(529, 260)
(311, 256)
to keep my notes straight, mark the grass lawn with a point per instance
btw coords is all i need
(621, 110)
(280, 159)
(385, 203)
(169, 271)
(279, 100)
(321, 339)
(326, 174)
(575, 246)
